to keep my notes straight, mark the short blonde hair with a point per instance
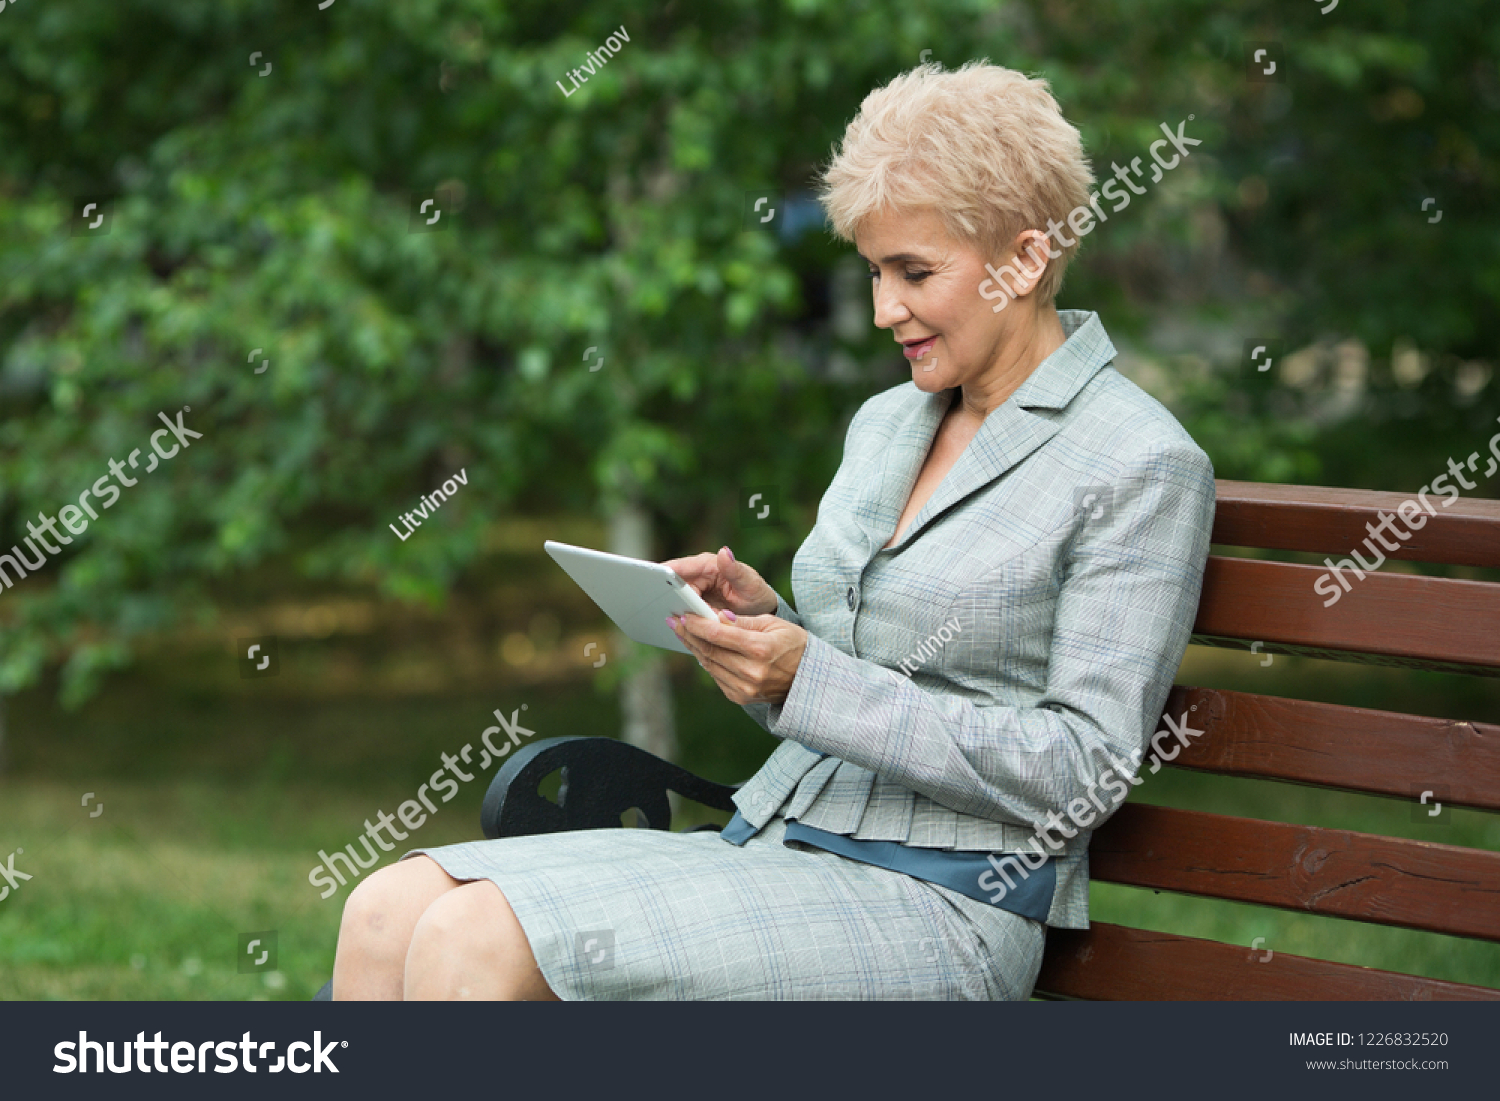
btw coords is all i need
(986, 148)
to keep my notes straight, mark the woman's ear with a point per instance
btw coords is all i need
(1032, 243)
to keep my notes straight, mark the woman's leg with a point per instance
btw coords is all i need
(469, 946)
(376, 930)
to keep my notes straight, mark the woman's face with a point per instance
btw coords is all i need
(926, 291)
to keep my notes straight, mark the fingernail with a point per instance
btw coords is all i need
(671, 624)
(731, 554)
(731, 615)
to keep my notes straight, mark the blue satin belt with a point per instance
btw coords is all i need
(1026, 891)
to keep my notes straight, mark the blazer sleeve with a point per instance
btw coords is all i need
(1125, 611)
(787, 612)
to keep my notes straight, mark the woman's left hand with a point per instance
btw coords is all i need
(753, 658)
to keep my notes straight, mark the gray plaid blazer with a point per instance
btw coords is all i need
(1019, 640)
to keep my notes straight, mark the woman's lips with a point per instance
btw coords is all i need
(917, 351)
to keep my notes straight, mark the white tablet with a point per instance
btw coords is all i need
(636, 594)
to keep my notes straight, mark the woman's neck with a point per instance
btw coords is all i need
(1040, 336)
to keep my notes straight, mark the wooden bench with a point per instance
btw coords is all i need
(1388, 618)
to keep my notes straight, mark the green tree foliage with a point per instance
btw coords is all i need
(275, 212)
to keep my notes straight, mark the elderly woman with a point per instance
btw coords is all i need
(991, 608)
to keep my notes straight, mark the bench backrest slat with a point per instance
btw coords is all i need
(1417, 619)
(1115, 963)
(1340, 873)
(1352, 748)
(1332, 521)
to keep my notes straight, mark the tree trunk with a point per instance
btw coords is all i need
(646, 696)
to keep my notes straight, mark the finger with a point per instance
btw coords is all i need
(690, 629)
(701, 573)
(727, 662)
(722, 617)
(692, 566)
(694, 643)
(726, 672)
(734, 573)
(760, 624)
(702, 645)
(708, 632)
(729, 669)
(745, 635)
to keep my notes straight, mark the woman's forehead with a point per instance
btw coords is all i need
(892, 237)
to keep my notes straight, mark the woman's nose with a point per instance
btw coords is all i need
(889, 309)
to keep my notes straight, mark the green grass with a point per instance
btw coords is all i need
(215, 810)
(153, 909)
(217, 803)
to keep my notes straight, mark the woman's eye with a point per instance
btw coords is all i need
(911, 276)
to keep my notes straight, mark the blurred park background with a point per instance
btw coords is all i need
(600, 331)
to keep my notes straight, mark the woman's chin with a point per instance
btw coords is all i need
(927, 378)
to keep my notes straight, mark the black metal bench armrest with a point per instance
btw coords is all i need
(602, 778)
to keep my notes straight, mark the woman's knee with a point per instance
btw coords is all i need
(379, 916)
(389, 902)
(470, 944)
(473, 920)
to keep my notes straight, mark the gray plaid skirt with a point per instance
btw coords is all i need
(640, 914)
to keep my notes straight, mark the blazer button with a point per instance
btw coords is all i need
(851, 598)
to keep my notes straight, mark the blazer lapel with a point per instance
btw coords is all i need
(1007, 436)
(903, 462)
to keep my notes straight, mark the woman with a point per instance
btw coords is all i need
(992, 606)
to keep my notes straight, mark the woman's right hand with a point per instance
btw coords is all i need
(724, 583)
